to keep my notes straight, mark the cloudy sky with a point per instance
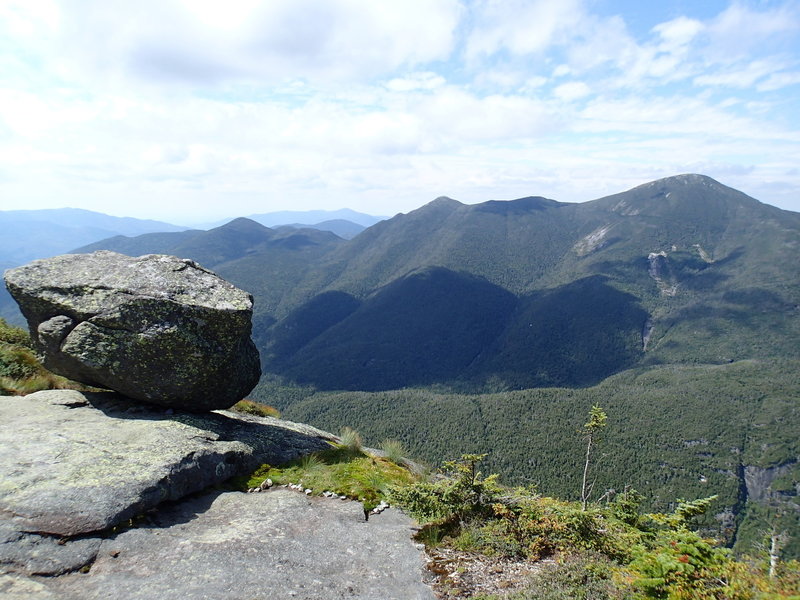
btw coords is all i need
(192, 110)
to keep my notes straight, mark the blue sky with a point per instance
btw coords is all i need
(193, 110)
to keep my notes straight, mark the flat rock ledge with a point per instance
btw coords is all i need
(274, 545)
(73, 465)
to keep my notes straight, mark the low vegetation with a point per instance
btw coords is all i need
(345, 469)
(251, 407)
(20, 371)
(608, 550)
(673, 431)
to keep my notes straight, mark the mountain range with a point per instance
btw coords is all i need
(516, 294)
(50, 232)
(493, 328)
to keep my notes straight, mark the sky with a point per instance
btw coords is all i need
(194, 110)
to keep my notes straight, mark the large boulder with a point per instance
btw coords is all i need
(155, 328)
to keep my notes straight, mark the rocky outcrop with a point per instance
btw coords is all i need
(154, 328)
(758, 480)
(273, 545)
(73, 465)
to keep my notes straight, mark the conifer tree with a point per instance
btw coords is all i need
(591, 433)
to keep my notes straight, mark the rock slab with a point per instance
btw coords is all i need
(155, 328)
(74, 464)
(274, 545)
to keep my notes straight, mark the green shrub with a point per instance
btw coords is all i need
(460, 493)
(14, 335)
(252, 407)
(17, 362)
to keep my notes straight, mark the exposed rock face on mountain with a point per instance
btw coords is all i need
(73, 465)
(155, 328)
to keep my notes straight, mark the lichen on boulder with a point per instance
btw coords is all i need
(156, 328)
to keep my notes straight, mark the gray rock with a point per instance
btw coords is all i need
(42, 554)
(274, 545)
(155, 328)
(73, 464)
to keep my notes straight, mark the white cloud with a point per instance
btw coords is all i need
(574, 90)
(777, 81)
(600, 42)
(456, 117)
(562, 70)
(189, 106)
(206, 42)
(740, 75)
(520, 26)
(416, 81)
(678, 33)
(739, 29)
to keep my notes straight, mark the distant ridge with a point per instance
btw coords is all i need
(308, 218)
(343, 228)
(31, 234)
(54, 231)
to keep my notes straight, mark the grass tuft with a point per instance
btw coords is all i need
(350, 438)
(342, 469)
(394, 451)
(252, 407)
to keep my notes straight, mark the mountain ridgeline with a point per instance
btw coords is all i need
(516, 294)
(494, 327)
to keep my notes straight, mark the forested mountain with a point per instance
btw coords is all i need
(679, 270)
(675, 304)
(523, 293)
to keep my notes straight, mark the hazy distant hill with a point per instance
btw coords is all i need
(341, 227)
(32, 234)
(307, 218)
(50, 232)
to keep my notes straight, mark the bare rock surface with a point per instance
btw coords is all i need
(74, 464)
(274, 545)
(156, 328)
